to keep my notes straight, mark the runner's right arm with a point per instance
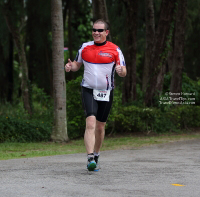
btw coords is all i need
(72, 66)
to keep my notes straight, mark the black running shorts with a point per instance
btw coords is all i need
(92, 107)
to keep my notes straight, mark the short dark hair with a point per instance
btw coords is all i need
(106, 25)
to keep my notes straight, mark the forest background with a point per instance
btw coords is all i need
(160, 42)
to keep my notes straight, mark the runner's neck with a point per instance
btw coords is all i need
(100, 44)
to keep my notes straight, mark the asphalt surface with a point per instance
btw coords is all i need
(148, 171)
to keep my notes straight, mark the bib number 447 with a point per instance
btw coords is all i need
(101, 95)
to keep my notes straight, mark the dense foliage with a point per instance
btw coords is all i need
(16, 130)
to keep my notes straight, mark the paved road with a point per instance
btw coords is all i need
(148, 171)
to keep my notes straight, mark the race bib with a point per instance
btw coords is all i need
(101, 95)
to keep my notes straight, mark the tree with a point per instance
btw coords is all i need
(129, 93)
(70, 39)
(59, 132)
(192, 41)
(150, 36)
(6, 62)
(178, 48)
(38, 44)
(15, 19)
(158, 51)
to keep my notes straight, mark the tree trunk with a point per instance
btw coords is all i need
(59, 132)
(166, 16)
(178, 51)
(6, 65)
(18, 39)
(68, 7)
(150, 36)
(65, 4)
(10, 70)
(100, 12)
(49, 70)
(160, 79)
(129, 91)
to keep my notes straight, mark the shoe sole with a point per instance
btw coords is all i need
(91, 166)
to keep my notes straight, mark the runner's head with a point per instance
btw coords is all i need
(100, 31)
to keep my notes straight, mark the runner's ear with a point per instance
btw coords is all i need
(107, 32)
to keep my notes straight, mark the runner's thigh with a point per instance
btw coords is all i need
(90, 105)
(104, 109)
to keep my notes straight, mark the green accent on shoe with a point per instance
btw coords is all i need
(91, 165)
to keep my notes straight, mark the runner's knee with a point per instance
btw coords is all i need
(100, 126)
(90, 123)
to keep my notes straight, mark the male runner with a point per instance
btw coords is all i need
(101, 59)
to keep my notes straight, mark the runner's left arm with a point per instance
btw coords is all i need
(121, 70)
(120, 64)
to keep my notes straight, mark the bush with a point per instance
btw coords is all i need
(16, 125)
(191, 86)
(117, 103)
(185, 116)
(137, 119)
(20, 130)
(75, 112)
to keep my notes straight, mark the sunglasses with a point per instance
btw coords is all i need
(99, 30)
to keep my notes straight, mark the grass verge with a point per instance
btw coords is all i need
(27, 150)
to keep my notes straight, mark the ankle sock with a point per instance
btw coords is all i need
(90, 156)
(96, 154)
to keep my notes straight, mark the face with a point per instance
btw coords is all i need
(99, 37)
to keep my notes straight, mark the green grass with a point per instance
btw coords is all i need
(27, 150)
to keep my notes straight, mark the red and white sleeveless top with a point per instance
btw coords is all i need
(99, 64)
